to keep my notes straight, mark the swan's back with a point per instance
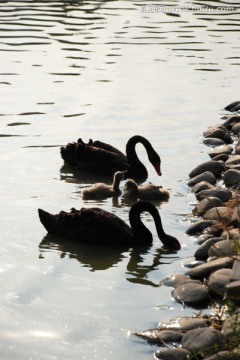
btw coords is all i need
(98, 191)
(90, 225)
(152, 192)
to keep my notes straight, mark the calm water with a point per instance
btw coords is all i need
(103, 70)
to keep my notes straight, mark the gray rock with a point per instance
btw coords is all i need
(221, 193)
(199, 226)
(156, 336)
(218, 131)
(231, 178)
(204, 340)
(237, 148)
(172, 354)
(178, 279)
(223, 157)
(202, 252)
(225, 355)
(233, 106)
(212, 141)
(213, 166)
(205, 176)
(219, 150)
(204, 270)
(220, 213)
(193, 263)
(236, 269)
(231, 121)
(192, 294)
(185, 323)
(202, 185)
(206, 204)
(233, 161)
(218, 280)
(236, 128)
(222, 248)
(233, 290)
(231, 234)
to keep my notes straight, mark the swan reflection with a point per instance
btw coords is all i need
(102, 257)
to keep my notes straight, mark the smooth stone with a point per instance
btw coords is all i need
(231, 326)
(222, 157)
(231, 178)
(214, 230)
(236, 128)
(233, 289)
(221, 193)
(236, 269)
(213, 141)
(218, 280)
(218, 131)
(198, 227)
(206, 269)
(219, 150)
(185, 323)
(202, 185)
(231, 121)
(202, 252)
(233, 161)
(194, 263)
(172, 354)
(206, 204)
(237, 148)
(204, 340)
(156, 336)
(205, 176)
(178, 279)
(192, 294)
(222, 248)
(221, 213)
(233, 106)
(213, 166)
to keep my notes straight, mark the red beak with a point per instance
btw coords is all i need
(158, 169)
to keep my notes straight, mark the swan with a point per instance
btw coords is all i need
(94, 225)
(102, 190)
(103, 158)
(145, 192)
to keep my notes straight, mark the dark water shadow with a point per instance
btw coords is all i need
(100, 257)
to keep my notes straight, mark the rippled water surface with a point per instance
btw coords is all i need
(102, 70)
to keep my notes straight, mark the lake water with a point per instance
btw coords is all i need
(104, 70)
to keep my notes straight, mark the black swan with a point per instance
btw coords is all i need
(103, 158)
(145, 192)
(94, 225)
(102, 190)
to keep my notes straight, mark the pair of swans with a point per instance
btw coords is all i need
(131, 190)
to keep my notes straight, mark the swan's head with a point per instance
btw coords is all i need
(155, 160)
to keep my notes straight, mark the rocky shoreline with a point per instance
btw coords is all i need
(213, 279)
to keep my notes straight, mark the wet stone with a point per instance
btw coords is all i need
(199, 226)
(237, 148)
(172, 354)
(205, 176)
(236, 128)
(155, 336)
(218, 280)
(206, 269)
(204, 340)
(221, 213)
(193, 263)
(222, 248)
(211, 141)
(205, 205)
(231, 121)
(215, 167)
(236, 269)
(233, 290)
(223, 157)
(219, 150)
(202, 185)
(178, 279)
(231, 178)
(193, 294)
(233, 106)
(202, 252)
(221, 193)
(218, 131)
(232, 161)
(185, 323)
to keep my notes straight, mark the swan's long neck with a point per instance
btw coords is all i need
(116, 182)
(136, 165)
(141, 234)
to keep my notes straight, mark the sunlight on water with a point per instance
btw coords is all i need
(103, 70)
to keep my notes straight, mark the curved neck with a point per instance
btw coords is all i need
(137, 166)
(141, 234)
(116, 183)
